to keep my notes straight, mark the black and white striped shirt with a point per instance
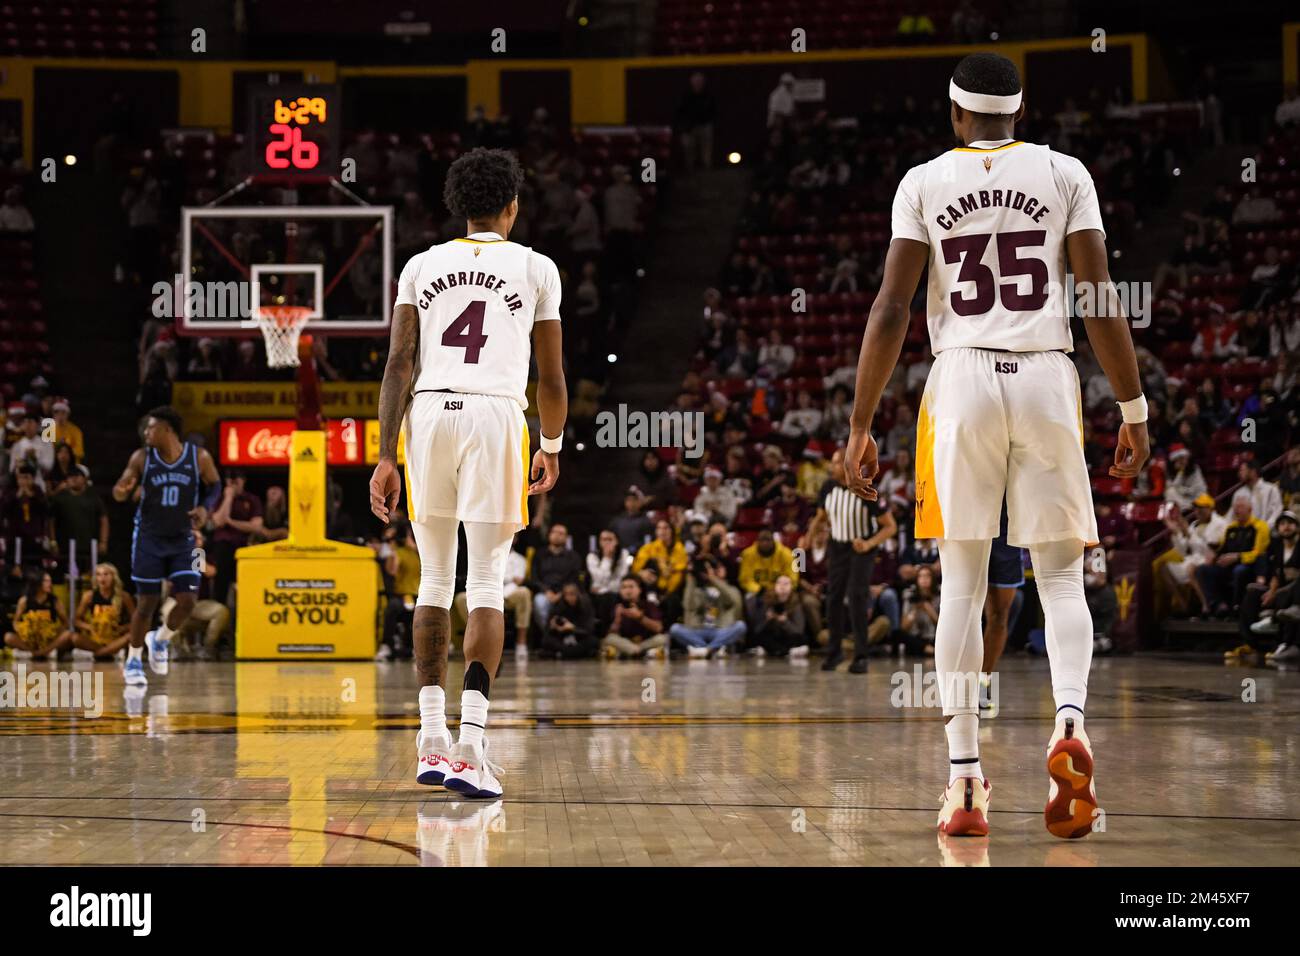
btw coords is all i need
(849, 515)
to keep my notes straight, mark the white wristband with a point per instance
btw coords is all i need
(1134, 410)
(552, 445)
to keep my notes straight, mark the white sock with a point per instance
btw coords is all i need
(473, 718)
(963, 747)
(134, 653)
(1074, 713)
(433, 710)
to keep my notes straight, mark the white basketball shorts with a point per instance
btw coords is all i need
(467, 457)
(1002, 422)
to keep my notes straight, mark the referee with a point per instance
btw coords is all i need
(857, 529)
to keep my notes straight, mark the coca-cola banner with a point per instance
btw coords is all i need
(265, 441)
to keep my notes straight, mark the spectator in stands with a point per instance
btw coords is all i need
(846, 373)
(835, 416)
(1223, 580)
(802, 421)
(1288, 111)
(656, 487)
(781, 102)
(570, 625)
(40, 627)
(790, 509)
(102, 625)
(1265, 497)
(632, 527)
(65, 463)
(1255, 209)
(814, 470)
(775, 355)
(553, 566)
(716, 500)
(205, 362)
(584, 230)
(25, 519)
(32, 449)
(237, 517)
(772, 474)
(776, 620)
(14, 216)
(763, 562)
(1289, 480)
(669, 554)
(920, 613)
(711, 612)
(606, 568)
(622, 222)
(65, 430)
(77, 514)
(694, 124)
(404, 565)
(1216, 339)
(899, 481)
(1184, 482)
(275, 517)
(1273, 592)
(902, 436)
(1103, 604)
(636, 628)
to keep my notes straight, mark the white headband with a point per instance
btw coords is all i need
(983, 102)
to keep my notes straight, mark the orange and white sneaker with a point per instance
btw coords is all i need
(435, 757)
(965, 810)
(1072, 798)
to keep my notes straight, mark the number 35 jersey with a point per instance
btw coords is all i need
(477, 299)
(995, 216)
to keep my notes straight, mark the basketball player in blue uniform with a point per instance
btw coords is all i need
(1006, 580)
(179, 486)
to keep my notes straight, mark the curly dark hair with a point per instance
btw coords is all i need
(167, 415)
(482, 182)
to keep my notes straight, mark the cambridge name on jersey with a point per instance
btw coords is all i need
(477, 299)
(995, 216)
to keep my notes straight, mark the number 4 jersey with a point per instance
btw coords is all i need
(477, 299)
(995, 216)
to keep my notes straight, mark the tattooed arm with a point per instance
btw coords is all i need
(394, 398)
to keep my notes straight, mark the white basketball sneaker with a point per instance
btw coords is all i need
(158, 652)
(133, 672)
(1072, 796)
(965, 810)
(471, 773)
(435, 752)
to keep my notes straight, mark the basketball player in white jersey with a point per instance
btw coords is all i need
(455, 380)
(995, 221)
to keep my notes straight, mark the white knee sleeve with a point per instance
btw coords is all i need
(436, 540)
(489, 545)
(1058, 575)
(958, 642)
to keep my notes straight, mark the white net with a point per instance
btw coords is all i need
(281, 327)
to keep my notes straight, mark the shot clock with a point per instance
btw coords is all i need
(294, 130)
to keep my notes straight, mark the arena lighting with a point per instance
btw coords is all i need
(580, 446)
(611, 358)
(733, 158)
(583, 21)
(70, 160)
(1177, 171)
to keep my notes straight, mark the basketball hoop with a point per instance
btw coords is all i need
(281, 326)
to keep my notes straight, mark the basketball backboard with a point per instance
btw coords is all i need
(335, 260)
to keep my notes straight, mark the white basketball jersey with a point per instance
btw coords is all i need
(478, 299)
(995, 216)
